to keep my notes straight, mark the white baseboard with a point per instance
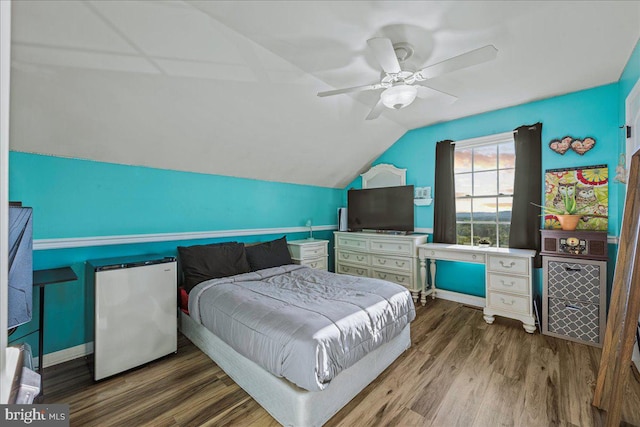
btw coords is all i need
(461, 298)
(57, 357)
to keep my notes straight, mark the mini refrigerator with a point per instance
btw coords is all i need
(135, 311)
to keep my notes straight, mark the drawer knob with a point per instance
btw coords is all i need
(572, 269)
(380, 245)
(345, 256)
(314, 264)
(507, 303)
(511, 264)
(360, 258)
(400, 279)
(399, 247)
(473, 256)
(507, 284)
(382, 276)
(400, 264)
(382, 261)
(571, 307)
(360, 271)
(433, 252)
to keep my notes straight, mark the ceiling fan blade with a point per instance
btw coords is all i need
(376, 110)
(385, 54)
(350, 89)
(468, 59)
(429, 92)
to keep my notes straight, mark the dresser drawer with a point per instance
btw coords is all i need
(403, 279)
(506, 264)
(319, 263)
(396, 263)
(354, 257)
(391, 247)
(347, 242)
(506, 283)
(513, 303)
(574, 319)
(352, 270)
(574, 281)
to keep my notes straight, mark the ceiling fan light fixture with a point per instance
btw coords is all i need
(397, 97)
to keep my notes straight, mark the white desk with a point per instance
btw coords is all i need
(508, 278)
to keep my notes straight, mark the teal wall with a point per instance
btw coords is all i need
(592, 112)
(79, 198)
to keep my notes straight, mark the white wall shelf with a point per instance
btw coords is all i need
(422, 202)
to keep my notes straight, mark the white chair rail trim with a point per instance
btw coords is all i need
(80, 242)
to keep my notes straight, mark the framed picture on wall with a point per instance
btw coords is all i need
(589, 185)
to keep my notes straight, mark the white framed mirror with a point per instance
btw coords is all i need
(384, 175)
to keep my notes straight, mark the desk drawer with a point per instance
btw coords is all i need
(352, 270)
(351, 243)
(513, 303)
(395, 277)
(506, 264)
(506, 283)
(396, 263)
(391, 247)
(354, 257)
(445, 255)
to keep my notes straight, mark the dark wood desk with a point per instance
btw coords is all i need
(42, 278)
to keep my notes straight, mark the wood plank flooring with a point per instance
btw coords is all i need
(459, 371)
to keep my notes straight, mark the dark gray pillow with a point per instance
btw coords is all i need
(204, 262)
(269, 254)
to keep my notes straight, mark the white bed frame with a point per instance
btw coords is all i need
(287, 403)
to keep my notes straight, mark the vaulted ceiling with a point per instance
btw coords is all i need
(229, 87)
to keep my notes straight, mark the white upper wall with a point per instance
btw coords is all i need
(230, 88)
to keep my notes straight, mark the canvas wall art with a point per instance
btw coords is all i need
(590, 187)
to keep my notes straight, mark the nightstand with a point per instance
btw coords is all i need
(310, 252)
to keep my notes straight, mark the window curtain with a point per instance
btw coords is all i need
(444, 205)
(527, 188)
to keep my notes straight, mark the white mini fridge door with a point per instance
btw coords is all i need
(135, 317)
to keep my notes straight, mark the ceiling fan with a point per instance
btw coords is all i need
(400, 83)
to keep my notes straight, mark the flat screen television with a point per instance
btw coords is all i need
(381, 209)
(20, 265)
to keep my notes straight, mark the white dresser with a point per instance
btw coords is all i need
(310, 252)
(508, 280)
(381, 256)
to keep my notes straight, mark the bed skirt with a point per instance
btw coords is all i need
(287, 403)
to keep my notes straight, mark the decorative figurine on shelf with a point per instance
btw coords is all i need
(484, 242)
(309, 224)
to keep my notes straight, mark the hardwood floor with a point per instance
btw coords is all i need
(459, 371)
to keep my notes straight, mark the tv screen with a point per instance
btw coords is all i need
(385, 209)
(20, 265)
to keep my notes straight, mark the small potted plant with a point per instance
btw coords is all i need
(568, 213)
(484, 242)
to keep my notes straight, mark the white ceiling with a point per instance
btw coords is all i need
(230, 87)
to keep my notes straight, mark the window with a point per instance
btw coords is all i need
(484, 172)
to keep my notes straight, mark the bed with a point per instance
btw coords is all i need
(301, 342)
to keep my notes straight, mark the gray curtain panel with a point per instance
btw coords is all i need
(444, 205)
(527, 188)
